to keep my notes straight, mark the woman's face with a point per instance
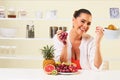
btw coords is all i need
(82, 23)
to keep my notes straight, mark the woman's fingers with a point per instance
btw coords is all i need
(59, 32)
(62, 36)
(99, 33)
(99, 30)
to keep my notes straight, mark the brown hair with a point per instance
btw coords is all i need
(78, 12)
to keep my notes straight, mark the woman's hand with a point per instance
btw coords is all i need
(62, 36)
(99, 34)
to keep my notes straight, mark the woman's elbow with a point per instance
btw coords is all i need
(98, 64)
(62, 59)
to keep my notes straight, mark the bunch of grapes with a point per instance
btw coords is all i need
(63, 37)
(66, 68)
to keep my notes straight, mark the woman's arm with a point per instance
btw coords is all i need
(63, 56)
(60, 48)
(98, 57)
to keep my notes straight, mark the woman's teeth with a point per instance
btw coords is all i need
(82, 29)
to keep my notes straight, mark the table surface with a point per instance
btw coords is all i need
(39, 74)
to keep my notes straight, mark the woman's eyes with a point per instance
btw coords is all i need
(83, 21)
(87, 23)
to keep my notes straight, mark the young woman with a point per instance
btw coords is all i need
(80, 48)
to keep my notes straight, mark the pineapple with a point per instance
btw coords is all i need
(48, 55)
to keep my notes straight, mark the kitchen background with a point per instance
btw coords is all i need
(17, 50)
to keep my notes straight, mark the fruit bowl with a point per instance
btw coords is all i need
(111, 34)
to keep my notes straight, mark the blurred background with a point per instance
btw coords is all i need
(28, 25)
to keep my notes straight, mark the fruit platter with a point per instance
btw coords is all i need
(66, 68)
(61, 68)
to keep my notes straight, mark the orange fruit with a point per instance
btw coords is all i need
(49, 68)
(111, 27)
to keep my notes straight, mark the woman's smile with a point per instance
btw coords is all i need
(82, 29)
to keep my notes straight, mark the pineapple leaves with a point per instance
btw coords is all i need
(48, 52)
